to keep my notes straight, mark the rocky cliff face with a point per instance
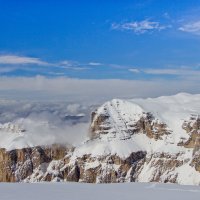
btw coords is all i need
(53, 164)
(127, 142)
(18, 164)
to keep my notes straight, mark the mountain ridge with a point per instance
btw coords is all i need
(138, 140)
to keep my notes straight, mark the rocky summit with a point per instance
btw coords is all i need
(138, 140)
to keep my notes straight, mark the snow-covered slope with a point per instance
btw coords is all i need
(116, 125)
(74, 191)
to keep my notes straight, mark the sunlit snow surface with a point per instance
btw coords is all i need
(78, 191)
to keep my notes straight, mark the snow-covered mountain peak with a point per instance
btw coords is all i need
(152, 125)
(118, 105)
(120, 119)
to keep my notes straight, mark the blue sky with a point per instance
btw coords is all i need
(134, 40)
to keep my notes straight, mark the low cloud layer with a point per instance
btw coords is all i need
(57, 110)
(90, 91)
(43, 123)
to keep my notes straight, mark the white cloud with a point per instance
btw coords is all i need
(192, 27)
(13, 60)
(7, 69)
(95, 64)
(11, 63)
(180, 72)
(88, 91)
(57, 73)
(66, 62)
(45, 123)
(75, 68)
(134, 70)
(139, 27)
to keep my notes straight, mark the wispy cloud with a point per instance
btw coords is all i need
(11, 63)
(179, 72)
(16, 60)
(139, 27)
(95, 63)
(134, 70)
(80, 68)
(183, 72)
(7, 69)
(191, 27)
(163, 71)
